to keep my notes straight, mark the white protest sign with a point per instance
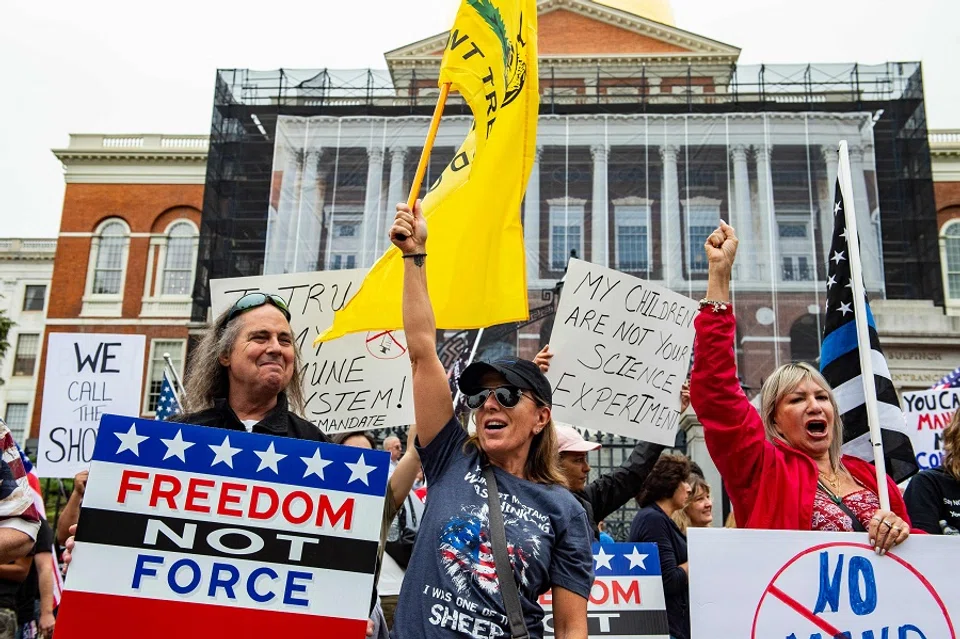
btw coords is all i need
(927, 413)
(764, 584)
(87, 375)
(357, 382)
(622, 349)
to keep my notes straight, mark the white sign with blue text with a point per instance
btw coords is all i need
(86, 376)
(357, 382)
(927, 414)
(765, 584)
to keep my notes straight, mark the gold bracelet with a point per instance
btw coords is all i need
(716, 305)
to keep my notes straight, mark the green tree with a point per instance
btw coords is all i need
(5, 325)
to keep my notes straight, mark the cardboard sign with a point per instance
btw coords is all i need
(204, 532)
(622, 350)
(627, 595)
(761, 584)
(927, 413)
(87, 375)
(357, 382)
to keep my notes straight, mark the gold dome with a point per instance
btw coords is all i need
(656, 10)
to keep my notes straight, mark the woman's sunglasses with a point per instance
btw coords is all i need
(507, 396)
(256, 300)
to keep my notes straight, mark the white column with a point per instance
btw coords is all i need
(767, 215)
(395, 193)
(371, 206)
(279, 228)
(309, 220)
(743, 218)
(599, 213)
(832, 161)
(869, 244)
(531, 220)
(671, 249)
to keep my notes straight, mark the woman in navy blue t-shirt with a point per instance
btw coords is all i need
(451, 587)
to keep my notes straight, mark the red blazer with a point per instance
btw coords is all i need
(771, 485)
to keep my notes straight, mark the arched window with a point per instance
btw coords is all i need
(108, 276)
(107, 269)
(805, 340)
(171, 268)
(180, 259)
(950, 258)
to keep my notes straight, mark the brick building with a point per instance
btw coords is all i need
(126, 254)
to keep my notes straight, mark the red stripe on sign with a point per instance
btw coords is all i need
(83, 615)
(797, 606)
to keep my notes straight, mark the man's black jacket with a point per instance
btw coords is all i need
(279, 421)
(609, 492)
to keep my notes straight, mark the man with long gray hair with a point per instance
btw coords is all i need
(245, 373)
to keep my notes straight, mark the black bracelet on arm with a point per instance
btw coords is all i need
(418, 258)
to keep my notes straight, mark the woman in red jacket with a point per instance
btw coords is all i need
(782, 467)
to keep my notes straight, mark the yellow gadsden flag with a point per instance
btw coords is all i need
(476, 256)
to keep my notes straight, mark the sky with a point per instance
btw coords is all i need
(110, 66)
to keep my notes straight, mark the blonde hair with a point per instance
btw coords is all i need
(543, 463)
(951, 446)
(784, 381)
(698, 488)
(206, 379)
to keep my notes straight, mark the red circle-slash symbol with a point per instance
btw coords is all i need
(385, 345)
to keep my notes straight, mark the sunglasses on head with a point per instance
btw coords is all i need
(507, 396)
(256, 300)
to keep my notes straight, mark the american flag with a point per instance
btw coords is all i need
(948, 381)
(840, 365)
(41, 507)
(167, 405)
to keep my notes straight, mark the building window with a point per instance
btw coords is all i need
(34, 297)
(179, 259)
(951, 262)
(796, 251)
(340, 261)
(25, 359)
(111, 250)
(155, 380)
(632, 238)
(16, 418)
(701, 222)
(566, 232)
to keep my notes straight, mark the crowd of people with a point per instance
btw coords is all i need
(510, 509)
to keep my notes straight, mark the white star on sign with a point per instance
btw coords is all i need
(845, 308)
(360, 470)
(636, 559)
(269, 459)
(315, 465)
(603, 559)
(223, 453)
(838, 256)
(130, 440)
(176, 447)
(831, 281)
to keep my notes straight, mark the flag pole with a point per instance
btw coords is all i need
(175, 378)
(428, 145)
(473, 353)
(863, 334)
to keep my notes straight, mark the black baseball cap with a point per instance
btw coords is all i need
(521, 373)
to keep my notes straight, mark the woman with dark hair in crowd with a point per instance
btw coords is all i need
(933, 496)
(664, 492)
(451, 587)
(698, 511)
(782, 467)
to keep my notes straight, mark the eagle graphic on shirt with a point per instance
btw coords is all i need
(466, 550)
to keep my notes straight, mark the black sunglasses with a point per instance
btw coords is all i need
(256, 300)
(507, 396)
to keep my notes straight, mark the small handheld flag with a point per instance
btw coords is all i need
(168, 404)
